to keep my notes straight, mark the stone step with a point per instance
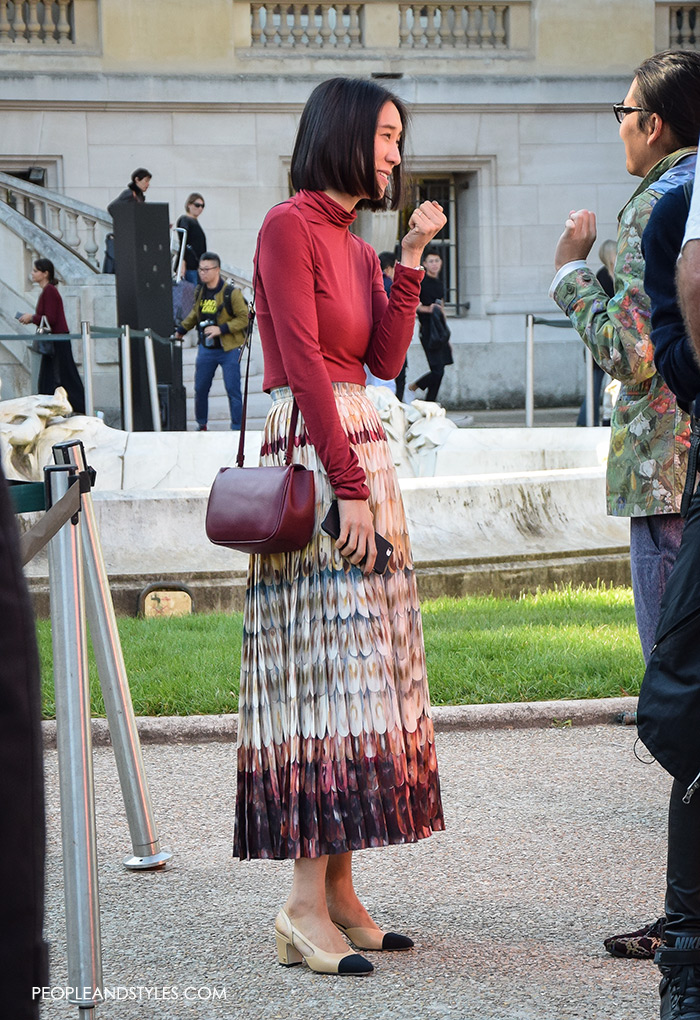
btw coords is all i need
(219, 418)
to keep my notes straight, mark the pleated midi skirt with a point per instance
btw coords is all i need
(336, 747)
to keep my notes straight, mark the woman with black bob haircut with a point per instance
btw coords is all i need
(336, 748)
(57, 366)
(336, 150)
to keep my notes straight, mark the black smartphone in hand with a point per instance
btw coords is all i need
(331, 525)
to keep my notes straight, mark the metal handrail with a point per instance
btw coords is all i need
(530, 322)
(87, 334)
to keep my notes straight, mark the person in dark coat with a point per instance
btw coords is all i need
(432, 296)
(23, 952)
(135, 191)
(669, 679)
(196, 243)
(58, 366)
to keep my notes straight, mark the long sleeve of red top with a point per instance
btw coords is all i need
(323, 313)
(50, 304)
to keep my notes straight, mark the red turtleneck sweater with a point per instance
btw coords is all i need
(323, 313)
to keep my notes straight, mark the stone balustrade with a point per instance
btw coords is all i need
(677, 26)
(310, 26)
(460, 25)
(684, 28)
(80, 226)
(37, 23)
(376, 24)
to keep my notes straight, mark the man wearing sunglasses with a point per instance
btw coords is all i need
(220, 314)
(669, 700)
(659, 124)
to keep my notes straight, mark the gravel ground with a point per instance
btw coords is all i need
(555, 838)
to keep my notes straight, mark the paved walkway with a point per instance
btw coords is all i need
(555, 838)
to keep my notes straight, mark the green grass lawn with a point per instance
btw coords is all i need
(568, 643)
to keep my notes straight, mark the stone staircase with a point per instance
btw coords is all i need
(36, 221)
(219, 418)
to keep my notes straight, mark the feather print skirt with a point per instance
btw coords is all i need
(336, 746)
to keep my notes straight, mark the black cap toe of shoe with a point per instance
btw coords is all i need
(353, 963)
(393, 941)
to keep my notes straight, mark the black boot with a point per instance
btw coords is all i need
(680, 985)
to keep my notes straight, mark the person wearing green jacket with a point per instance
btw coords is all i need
(220, 314)
(650, 435)
(659, 123)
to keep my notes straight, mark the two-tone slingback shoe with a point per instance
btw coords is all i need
(294, 947)
(373, 938)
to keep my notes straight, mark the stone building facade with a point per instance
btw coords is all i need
(511, 129)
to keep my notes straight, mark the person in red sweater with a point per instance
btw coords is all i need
(57, 368)
(336, 749)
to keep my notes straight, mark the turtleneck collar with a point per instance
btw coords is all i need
(324, 209)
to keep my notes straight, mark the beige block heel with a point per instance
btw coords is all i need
(288, 956)
(293, 947)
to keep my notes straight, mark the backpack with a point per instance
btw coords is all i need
(227, 302)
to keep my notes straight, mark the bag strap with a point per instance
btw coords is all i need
(228, 297)
(694, 451)
(196, 297)
(248, 344)
(690, 478)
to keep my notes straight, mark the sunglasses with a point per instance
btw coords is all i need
(198, 205)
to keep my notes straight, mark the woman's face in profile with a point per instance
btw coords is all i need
(142, 183)
(386, 145)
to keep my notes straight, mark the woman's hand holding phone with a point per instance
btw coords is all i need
(356, 538)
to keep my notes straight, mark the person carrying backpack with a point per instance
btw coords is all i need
(220, 314)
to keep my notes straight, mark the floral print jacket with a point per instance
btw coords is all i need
(650, 435)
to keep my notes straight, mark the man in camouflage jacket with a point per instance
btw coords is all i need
(649, 432)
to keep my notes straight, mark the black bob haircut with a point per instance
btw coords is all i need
(334, 147)
(669, 84)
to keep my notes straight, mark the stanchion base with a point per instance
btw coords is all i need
(146, 863)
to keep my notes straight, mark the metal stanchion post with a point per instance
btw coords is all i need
(114, 682)
(152, 379)
(530, 371)
(74, 753)
(127, 399)
(87, 368)
(590, 410)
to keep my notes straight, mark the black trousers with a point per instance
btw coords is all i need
(683, 864)
(401, 381)
(432, 379)
(677, 636)
(60, 369)
(23, 957)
